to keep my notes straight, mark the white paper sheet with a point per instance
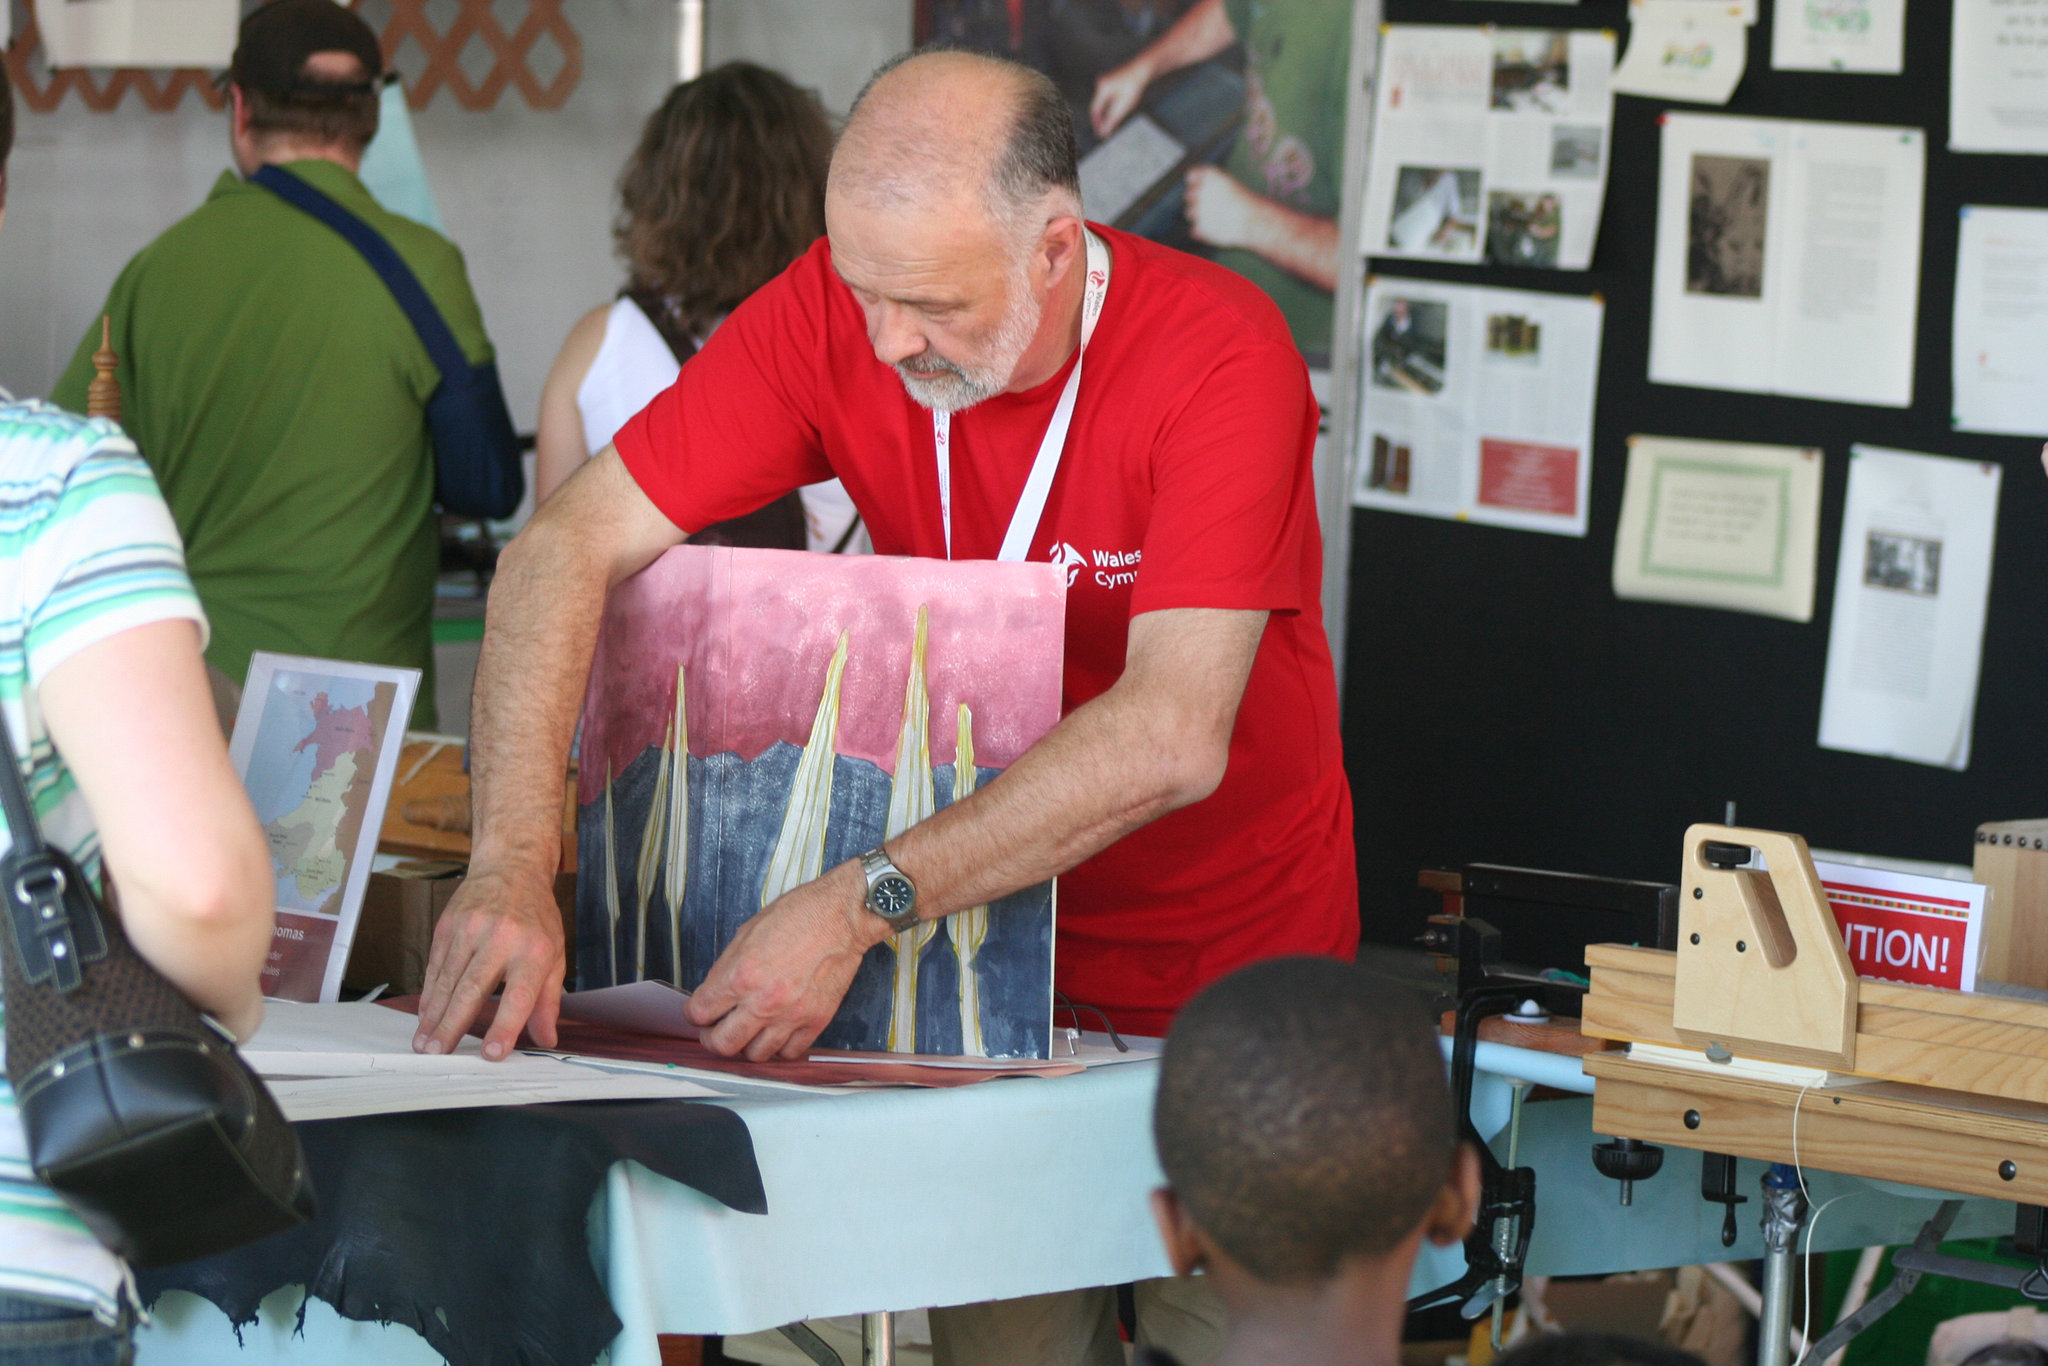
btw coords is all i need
(1119, 171)
(1907, 927)
(1720, 524)
(138, 32)
(1478, 403)
(1697, 59)
(1490, 144)
(1838, 35)
(1998, 365)
(1998, 76)
(1908, 627)
(548, 1083)
(646, 1007)
(1788, 257)
(1741, 11)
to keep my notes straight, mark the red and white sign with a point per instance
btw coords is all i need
(1900, 927)
(1529, 476)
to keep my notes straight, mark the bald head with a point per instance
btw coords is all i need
(936, 130)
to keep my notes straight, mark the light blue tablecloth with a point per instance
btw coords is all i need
(898, 1199)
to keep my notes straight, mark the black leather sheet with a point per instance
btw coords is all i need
(470, 1226)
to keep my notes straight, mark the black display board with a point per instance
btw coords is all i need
(1500, 704)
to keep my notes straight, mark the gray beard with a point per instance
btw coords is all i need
(961, 387)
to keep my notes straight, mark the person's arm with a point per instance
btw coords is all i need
(1156, 741)
(133, 717)
(547, 598)
(1224, 213)
(1198, 35)
(559, 449)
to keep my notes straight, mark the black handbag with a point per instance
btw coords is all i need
(138, 1110)
(477, 471)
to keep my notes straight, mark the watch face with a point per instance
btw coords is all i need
(891, 896)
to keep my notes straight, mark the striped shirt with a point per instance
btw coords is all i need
(87, 550)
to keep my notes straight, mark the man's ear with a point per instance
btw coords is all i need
(1062, 248)
(1457, 1202)
(1184, 1247)
(238, 109)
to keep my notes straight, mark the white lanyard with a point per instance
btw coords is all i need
(1038, 487)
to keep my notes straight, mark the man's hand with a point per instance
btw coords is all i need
(1117, 93)
(776, 986)
(496, 929)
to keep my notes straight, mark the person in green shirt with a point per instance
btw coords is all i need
(274, 385)
(1271, 209)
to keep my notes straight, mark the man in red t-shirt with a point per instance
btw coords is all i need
(1192, 800)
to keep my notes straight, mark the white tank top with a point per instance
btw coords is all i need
(633, 364)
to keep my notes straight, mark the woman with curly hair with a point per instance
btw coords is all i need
(726, 188)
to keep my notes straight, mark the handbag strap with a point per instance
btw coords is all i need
(382, 257)
(24, 832)
(681, 345)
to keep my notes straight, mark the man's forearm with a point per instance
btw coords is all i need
(1148, 746)
(1196, 36)
(546, 602)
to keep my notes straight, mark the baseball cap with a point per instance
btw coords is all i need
(270, 55)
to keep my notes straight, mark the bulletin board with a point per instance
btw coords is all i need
(1501, 705)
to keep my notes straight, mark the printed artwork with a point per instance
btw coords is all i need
(315, 743)
(755, 717)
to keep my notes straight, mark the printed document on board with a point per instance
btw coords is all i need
(1998, 76)
(1478, 404)
(1679, 56)
(1999, 365)
(1720, 524)
(1490, 145)
(1839, 35)
(1910, 589)
(1788, 257)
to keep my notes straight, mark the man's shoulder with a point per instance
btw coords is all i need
(1173, 286)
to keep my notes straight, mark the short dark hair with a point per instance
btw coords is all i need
(726, 188)
(6, 127)
(1302, 1116)
(1041, 154)
(1593, 1349)
(347, 116)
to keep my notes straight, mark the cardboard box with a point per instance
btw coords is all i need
(401, 908)
(397, 925)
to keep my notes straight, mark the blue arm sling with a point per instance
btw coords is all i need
(476, 453)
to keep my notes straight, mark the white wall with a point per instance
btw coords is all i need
(830, 46)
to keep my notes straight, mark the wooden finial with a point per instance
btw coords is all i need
(103, 395)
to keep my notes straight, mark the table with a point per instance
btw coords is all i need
(899, 1199)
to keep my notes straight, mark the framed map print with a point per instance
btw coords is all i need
(316, 742)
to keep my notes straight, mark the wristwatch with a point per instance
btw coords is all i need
(891, 895)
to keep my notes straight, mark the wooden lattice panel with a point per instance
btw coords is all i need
(544, 31)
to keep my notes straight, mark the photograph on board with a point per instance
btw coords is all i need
(1532, 71)
(1436, 210)
(1513, 339)
(1522, 229)
(1575, 151)
(1724, 245)
(1213, 126)
(1408, 346)
(1392, 462)
(1904, 564)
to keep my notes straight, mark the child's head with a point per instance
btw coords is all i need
(1305, 1128)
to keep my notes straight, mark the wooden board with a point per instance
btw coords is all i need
(1925, 1036)
(1884, 1131)
(429, 769)
(2012, 860)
